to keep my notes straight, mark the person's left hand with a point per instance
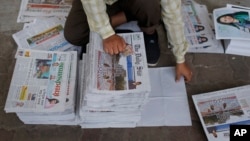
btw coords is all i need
(182, 69)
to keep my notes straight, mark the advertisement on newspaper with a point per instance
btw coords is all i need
(43, 35)
(232, 23)
(199, 28)
(218, 110)
(195, 17)
(40, 82)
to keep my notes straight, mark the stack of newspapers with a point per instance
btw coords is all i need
(42, 89)
(236, 33)
(113, 89)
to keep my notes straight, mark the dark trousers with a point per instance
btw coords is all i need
(145, 12)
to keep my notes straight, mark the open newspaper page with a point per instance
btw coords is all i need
(39, 82)
(43, 34)
(198, 28)
(217, 110)
(122, 73)
(29, 9)
(232, 23)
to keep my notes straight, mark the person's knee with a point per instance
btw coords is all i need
(75, 37)
(70, 37)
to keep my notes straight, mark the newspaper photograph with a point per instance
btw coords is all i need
(43, 35)
(198, 28)
(195, 17)
(40, 82)
(232, 23)
(200, 40)
(125, 71)
(43, 8)
(218, 110)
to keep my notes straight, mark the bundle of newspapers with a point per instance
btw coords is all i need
(42, 89)
(113, 89)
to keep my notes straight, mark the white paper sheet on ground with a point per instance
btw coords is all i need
(168, 103)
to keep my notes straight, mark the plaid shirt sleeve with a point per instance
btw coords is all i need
(172, 18)
(98, 19)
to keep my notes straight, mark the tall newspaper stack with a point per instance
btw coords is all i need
(42, 90)
(113, 89)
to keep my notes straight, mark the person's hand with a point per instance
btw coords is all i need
(114, 44)
(182, 69)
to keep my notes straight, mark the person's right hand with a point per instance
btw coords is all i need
(114, 44)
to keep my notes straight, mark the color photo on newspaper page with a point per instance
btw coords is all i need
(126, 71)
(40, 81)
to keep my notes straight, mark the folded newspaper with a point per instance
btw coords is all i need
(44, 34)
(199, 28)
(31, 9)
(42, 82)
(232, 22)
(232, 26)
(115, 87)
(218, 110)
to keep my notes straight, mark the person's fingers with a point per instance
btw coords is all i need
(188, 77)
(106, 50)
(122, 47)
(110, 50)
(177, 77)
(115, 49)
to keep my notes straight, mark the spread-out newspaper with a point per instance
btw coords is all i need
(218, 110)
(41, 81)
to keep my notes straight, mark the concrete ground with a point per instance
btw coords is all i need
(211, 72)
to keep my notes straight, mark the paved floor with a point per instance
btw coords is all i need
(211, 72)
